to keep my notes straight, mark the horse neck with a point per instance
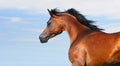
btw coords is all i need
(75, 29)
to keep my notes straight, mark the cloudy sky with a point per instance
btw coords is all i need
(21, 22)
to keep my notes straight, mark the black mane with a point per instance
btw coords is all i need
(79, 17)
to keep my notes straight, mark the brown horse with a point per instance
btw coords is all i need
(89, 45)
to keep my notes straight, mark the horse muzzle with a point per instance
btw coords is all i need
(43, 38)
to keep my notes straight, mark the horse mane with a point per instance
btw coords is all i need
(81, 18)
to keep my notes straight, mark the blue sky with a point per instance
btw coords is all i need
(21, 23)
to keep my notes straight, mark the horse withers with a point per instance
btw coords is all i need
(89, 45)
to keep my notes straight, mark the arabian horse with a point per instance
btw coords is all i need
(90, 46)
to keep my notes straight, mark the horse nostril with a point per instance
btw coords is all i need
(39, 37)
(43, 38)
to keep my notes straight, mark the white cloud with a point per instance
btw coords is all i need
(111, 28)
(15, 19)
(24, 39)
(35, 30)
(109, 8)
(12, 19)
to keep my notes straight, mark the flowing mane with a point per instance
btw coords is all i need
(81, 18)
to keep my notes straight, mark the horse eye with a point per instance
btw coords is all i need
(48, 23)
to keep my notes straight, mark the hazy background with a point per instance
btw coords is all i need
(22, 21)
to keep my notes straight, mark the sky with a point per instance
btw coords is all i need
(21, 23)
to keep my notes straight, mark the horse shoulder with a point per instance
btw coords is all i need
(77, 53)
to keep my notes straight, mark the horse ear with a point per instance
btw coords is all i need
(51, 14)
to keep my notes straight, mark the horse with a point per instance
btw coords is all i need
(89, 45)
